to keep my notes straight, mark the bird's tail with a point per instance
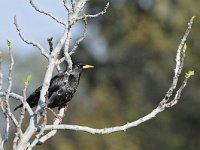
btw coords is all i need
(18, 107)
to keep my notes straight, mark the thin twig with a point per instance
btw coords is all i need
(179, 62)
(18, 97)
(47, 13)
(49, 40)
(177, 96)
(6, 110)
(42, 50)
(7, 105)
(73, 2)
(141, 120)
(77, 42)
(81, 38)
(6, 132)
(95, 15)
(17, 134)
(53, 132)
(66, 6)
(42, 130)
(51, 49)
(13, 95)
(66, 50)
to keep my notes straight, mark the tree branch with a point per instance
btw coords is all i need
(51, 49)
(179, 61)
(95, 15)
(73, 2)
(66, 6)
(53, 132)
(17, 134)
(139, 121)
(47, 13)
(6, 111)
(42, 50)
(42, 130)
(161, 107)
(49, 40)
(81, 38)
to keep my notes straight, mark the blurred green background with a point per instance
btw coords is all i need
(133, 48)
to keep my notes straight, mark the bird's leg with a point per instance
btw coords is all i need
(55, 115)
(66, 107)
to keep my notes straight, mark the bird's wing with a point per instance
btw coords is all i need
(56, 79)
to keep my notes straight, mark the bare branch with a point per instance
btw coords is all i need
(6, 132)
(73, 2)
(53, 132)
(17, 134)
(1, 73)
(141, 120)
(9, 88)
(50, 44)
(81, 38)
(106, 130)
(179, 62)
(95, 15)
(66, 6)
(42, 130)
(47, 13)
(6, 111)
(13, 95)
(77, 42)
(42, 50)
(178, 93)
(51, 49)
(73, 17)
(67, 54)
(66, 51)
(61, 60)
(162, 106)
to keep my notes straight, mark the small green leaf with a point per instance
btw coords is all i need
(193, 18)
(184, 48)
(9, 44)
(189, 73)
(28, 79)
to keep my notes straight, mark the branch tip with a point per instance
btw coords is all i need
(189, 73)
(9, 44)
(192, 19)
(28, 79)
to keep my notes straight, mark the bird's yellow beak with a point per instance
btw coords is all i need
(88, 66)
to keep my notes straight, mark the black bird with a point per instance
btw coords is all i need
(61, 90)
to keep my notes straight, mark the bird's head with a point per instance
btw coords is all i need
(79, 67)
(83, 66)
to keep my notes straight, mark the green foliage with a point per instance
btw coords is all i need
(9, 44)
(184, 48)
(189, 73)
(193, 17)
(28, 80)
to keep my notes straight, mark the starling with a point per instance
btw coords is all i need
(61, 90)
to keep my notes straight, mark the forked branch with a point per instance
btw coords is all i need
(47, 13)
(42, 50)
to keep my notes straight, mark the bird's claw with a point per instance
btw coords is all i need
(58, 117)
